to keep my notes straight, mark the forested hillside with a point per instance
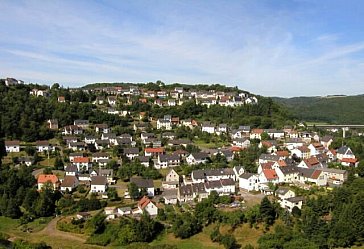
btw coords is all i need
(337, 110)
(24, 116)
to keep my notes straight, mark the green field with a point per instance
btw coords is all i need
(198, 241)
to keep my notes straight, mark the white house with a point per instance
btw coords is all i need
(12, 146)
(287, 174)
(302, 152)
(164, 124)
(146, 205)
(208, 127)
(82, 163)
(99, 156)
(249, 181)
(346, 156)
(165, 161)
(197, 158)
(131, 153)
(146, 184)
(203, 175)
(124, 211)
(268, 175)
(284, 193)
(238, 171)
(170, 196)
(241, 142)
(43, 146)
(69, 183)
(98, 184)
(292, 202)
(256, 134)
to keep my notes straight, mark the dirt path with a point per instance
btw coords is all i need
(51, 230)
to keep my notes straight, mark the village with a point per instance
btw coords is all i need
(291, 156)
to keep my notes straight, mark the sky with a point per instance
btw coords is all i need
(268, 47)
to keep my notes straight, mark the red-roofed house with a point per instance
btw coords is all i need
(310, 163)
(282, 154)
(82, 163)
(146, 205)
(331, 154)
(268, 165)
(349, 162)
(154, 152)
(256, 134)
(52, 180)
(268, 175)
(301, 152)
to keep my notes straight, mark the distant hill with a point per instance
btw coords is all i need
(332, 109)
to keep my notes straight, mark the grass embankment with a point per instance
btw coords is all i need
(15, 230)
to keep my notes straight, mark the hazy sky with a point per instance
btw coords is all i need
(273, 47)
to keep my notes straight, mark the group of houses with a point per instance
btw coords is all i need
(176, 96)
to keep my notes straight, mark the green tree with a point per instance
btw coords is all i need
(133, 191)
(267, 211)
(58, 164)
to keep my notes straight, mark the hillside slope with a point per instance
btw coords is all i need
(343, 109)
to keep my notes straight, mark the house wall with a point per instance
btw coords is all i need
(12, 149)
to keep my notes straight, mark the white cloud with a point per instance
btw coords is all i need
(259, 53)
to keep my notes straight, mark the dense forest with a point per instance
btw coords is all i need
(336, 110)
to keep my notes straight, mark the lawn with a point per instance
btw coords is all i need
(13, 228)
(47, 162)
(211, 145)
(7, 224)
(198, 241)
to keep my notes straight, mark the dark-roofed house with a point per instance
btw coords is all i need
(131, 153)
(292, 202)
(144, 183)
(312, 175)
(165, 161)
(197, 158)
(101, 144)
(81, 123)
(335, 174)
(43, 146)
(284, 193)
(249, 181)
(222, 187)
(102, 128)
(98, 184)
(188, 193)
(213, 186)
(71, 170)
(287, 174)
(143, 160)
(203, 175)
(108, 173)
(185, 193)
(99, 156)
(170, 196)
(69, 183)
(27, 160)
